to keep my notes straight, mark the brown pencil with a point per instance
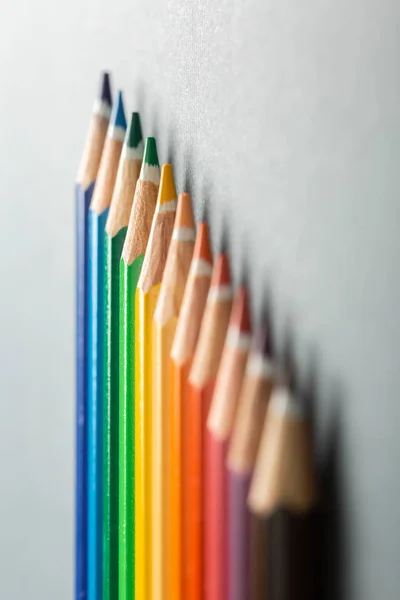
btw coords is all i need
(283, 500)
(201, 383)
(243, 446)
(219, 425)
(187, 333)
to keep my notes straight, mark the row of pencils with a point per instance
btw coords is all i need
(195, 472)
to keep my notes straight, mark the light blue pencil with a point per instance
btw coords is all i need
(97, 219)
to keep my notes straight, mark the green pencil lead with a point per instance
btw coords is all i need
(150, 153)
(150, 167)
(134, 136)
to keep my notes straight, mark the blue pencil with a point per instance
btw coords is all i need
(83, 193)
(97, 219)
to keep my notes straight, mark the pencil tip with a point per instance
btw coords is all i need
(221, 273)
(184, 212)
(262, 341)
(134, 137)
(150, 153)
(240, 311)
(118, 118)
(105, 88)
(202, 248)
(167, 192)
(283, 402)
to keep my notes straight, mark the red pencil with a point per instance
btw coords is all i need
(201, 386)
(219, 425)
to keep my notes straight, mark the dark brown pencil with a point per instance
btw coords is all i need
(283, 499)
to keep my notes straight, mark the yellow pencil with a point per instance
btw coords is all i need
(146, 299)
(166, 477)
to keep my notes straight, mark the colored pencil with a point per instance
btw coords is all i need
(201, 386)
(219, 426)
(85, 183)
(283, 499)
(183, 348)
(146, 299)
(140, 221)
(116, 226)
(166, 446)
(242, 451)
(97, 219)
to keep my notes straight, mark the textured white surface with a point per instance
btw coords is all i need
(283, 117)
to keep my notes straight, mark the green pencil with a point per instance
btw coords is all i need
(140, 221)
(116, 227)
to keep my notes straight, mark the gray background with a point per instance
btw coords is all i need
(283, 117)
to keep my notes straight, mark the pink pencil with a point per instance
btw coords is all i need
(219, 426)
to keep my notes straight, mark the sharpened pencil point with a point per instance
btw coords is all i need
(240, 312)
(184, 212)
(202, 248)
(150, 153)
(262, 341)
(134, 137)
(150, 167)
(105, 89)
(118, 118)
(221, 272)
(167, 192)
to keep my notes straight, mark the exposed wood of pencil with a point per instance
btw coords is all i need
(117, 221)
(184, 345)
(242, 451)
(283, 498)
(90, 162)
(201, 386)
(140, 221)
(219, 426)
(166, 446)
(147, 556)
(98, 561)
(84, 189)
(108, 168)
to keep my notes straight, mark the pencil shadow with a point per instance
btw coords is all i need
(332, 524)
(188, 172)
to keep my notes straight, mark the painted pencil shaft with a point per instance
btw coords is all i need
(162, 341)
(219, 427)
(166, 432)
(82, 207)
(178, 491)
(83, 194)
(283, 497)
(184, 346)
(98, 563)
(238, 536)
(113, 249)
(140, 221)
(145, 307)
(215, 525)
(129, 277)
(243, 448)
(147, 553)
(95, 403)
(116, 228)
(196, 417)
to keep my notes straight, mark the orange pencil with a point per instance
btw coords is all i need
(201, 383)
(219, 426)
(184, 345)
(166, 484)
